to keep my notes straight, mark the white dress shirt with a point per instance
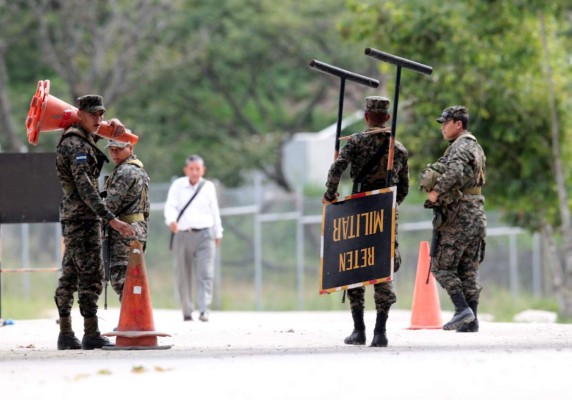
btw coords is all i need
(203, 212)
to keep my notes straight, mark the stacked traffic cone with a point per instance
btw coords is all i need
(136, 329)
(426, 309)
(48, 113)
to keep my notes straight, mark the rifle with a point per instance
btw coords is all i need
(106, 252)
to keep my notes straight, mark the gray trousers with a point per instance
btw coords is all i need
(194, 253)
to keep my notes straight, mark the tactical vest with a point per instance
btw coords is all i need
(69, 187)
(433, 172)
(142, 210)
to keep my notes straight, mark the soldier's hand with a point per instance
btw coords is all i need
(326, 201)
(123, 228)
(173, 227)
(432, 196)
(118, 127)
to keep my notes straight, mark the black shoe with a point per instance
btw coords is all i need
(187, 318)
(379, 340)
(470, 327)
(356, 337)
(68, 342)
(204, 317)
(95, 342)
(459, 320)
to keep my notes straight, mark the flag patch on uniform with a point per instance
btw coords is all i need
(81, 157)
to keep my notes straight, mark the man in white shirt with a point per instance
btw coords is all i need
(197, 231)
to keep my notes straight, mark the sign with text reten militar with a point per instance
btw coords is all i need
(358, 241)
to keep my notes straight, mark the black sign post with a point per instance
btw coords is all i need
(358, 241)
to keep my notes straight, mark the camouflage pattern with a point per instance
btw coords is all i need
(383, 297)
(377, 104)
(127, 194)
(90, 103)
(462, 235)
(358, 150)
(78, 165)
(82, 268)
(429, 176)
(457, 113)
(115, 143)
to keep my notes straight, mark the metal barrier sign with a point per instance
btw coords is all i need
(358, 240)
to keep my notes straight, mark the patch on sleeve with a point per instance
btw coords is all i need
(81, 158)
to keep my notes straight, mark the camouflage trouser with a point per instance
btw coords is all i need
(383, 295)
(82, 268)
(119, 250)
(456, 263)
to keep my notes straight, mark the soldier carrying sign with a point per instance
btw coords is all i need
(368, 153)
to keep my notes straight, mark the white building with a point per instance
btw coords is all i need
(307, 156)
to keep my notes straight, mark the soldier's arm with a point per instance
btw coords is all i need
(80, 172)
(402, 164)
(452, 178)
(336, 170)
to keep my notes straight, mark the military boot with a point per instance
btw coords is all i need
(92, 338)
(474, 325)
(67, 339)
(379, 336)
(358, 334)
(463, 313)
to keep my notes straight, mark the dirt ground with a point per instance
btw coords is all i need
(291, 355)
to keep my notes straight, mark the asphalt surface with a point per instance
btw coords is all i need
(290, 355)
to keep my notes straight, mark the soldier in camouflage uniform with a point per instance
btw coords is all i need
(127, 197)
(460, 220)
(358, 151)
(78, 164)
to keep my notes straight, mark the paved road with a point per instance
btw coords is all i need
(291, 355)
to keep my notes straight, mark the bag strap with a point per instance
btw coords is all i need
(192, 198)
(183, 210)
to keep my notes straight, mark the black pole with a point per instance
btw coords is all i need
(343, 75)
(340, 112)
(399, 61)
(393, 127)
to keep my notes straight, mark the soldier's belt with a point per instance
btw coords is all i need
(130, 218)
(473, 190)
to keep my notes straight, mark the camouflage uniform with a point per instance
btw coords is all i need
(358, 150)
(127, 197)
(78, 163)
(462, 223)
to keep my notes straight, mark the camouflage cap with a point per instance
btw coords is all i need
(376, 104)
(458, 113)
(90, 103)
(115, 143)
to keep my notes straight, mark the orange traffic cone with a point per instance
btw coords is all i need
(136, 329)
(48, 113)
(426, 309)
